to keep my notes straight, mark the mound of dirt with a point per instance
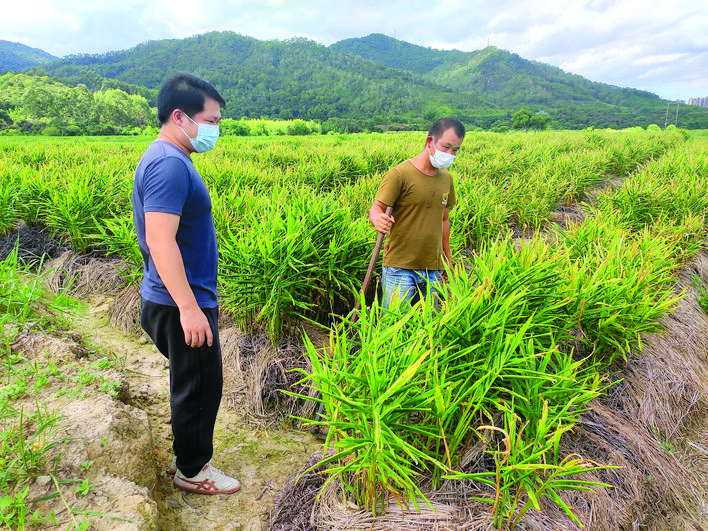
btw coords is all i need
(34, 245)
(95, 438)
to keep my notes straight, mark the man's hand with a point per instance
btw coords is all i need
(196, 327)
(447, 272)
(381, 221)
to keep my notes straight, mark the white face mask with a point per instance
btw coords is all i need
(207, 135)
(441, 159)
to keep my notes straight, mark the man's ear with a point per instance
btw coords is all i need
(177, 116)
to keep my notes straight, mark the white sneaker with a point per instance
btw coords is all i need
(210, 480)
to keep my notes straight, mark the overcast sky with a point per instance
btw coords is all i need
(655, 45)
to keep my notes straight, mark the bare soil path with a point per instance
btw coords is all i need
(262, 457)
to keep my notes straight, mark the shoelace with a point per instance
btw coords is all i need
(216, 471)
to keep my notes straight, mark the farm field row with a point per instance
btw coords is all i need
(303, 200)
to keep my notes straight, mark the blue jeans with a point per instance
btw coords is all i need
(408, 284)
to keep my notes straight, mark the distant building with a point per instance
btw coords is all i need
(701, 102)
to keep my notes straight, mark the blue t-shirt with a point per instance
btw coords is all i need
(167, 181)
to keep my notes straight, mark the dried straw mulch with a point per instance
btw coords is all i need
(81, 275)
(296, 508)
(257, 372)
(124, 312)
(84, 276)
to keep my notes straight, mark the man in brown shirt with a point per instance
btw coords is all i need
(421, 192)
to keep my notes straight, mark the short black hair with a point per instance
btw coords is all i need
(443, 124)
(186, 92)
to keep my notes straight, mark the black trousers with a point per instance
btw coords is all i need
(196, 382)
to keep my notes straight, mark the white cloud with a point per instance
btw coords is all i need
(649, 44)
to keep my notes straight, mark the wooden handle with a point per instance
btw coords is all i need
(370, 271)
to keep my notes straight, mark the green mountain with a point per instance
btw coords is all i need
(289, 79)
(15, 57)
(391, 52)
(374, 80)
(497, 75)
(509, 81)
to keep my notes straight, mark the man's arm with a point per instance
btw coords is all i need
(160, 236)
(378, 217)
(446, 237)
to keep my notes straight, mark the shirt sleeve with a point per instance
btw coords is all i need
(390, 187)
(166, 186)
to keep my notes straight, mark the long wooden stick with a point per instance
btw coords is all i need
(370, 271)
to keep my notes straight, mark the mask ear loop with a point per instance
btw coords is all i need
(182, 128)
(432, 141)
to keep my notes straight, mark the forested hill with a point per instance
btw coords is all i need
(509, 81)
(289, 79)
(391, 52)
(374, 80)
(15, 56)
(497, 75)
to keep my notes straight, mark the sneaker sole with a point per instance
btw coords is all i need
(197, 490)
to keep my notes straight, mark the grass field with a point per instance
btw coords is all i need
(566, 245)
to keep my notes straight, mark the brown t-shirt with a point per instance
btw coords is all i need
(419, 202)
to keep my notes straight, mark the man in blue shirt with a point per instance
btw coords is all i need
(175, 228)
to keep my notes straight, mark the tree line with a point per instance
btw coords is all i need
(40, 105)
